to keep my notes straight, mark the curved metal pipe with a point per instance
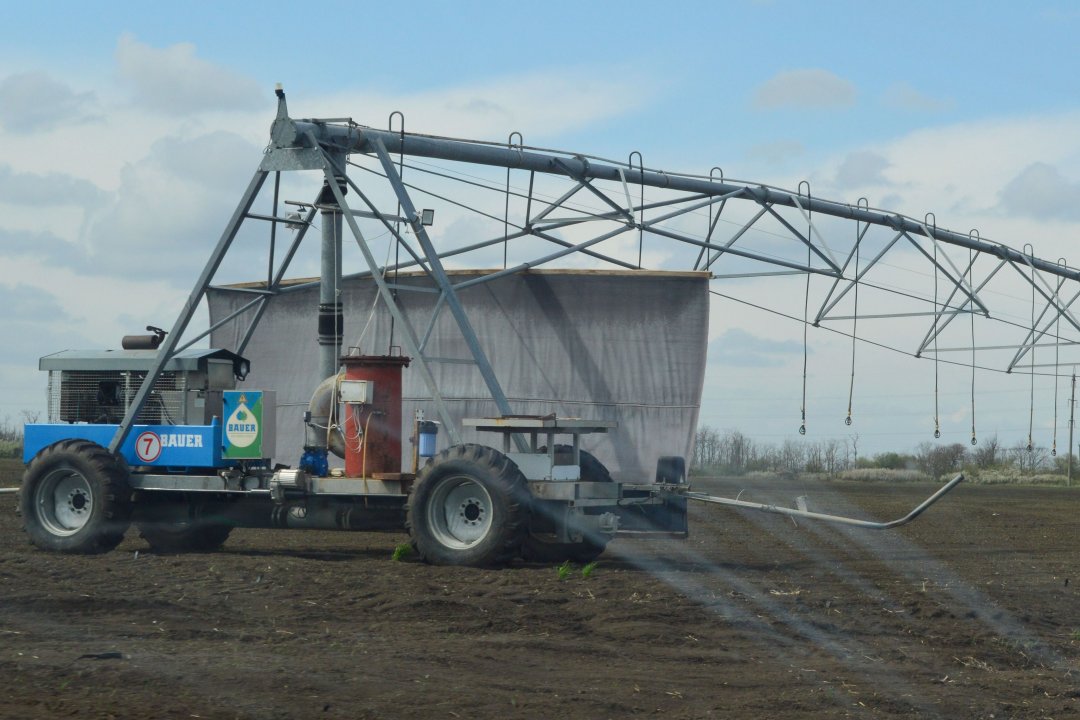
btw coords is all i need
(319, 434)
(868, 524)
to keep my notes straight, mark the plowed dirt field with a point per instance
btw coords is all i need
(970, 612)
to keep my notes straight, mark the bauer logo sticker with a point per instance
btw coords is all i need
(243, 432)
(242, 427)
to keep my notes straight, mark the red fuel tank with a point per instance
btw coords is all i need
(373, 430)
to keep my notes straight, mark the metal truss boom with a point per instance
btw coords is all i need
(357, 139)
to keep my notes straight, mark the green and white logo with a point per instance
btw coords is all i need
(243, 426)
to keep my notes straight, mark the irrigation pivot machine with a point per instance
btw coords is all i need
(168, 437)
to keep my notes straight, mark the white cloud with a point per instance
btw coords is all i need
(49, 189)
(860, 169)
(172, 206)
(27, 303)
(777, 152)
(903, 96)
(960, 172)
(534, 104)
(34, 102)
(807, 88)
(82, 304)
(174, 80)
(51, 250)
(1041, 191)
(28, 325)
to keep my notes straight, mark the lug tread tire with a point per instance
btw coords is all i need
(111, 497)
(509, 495)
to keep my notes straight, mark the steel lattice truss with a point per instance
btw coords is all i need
(895, 280)
(861, 264)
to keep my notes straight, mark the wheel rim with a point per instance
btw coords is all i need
(65, 501)
(459, 513)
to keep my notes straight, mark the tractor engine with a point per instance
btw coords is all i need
(97, 387)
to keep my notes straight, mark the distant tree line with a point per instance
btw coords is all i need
(730, 452)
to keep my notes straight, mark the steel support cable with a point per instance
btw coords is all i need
(495, 154)
(806, 319)
(967, 306)
(391, 230)
(827, 257)
(937, 416)
(419, 167)
(708, 237)
(625, 213)
(641, 204)
(1057, 357)
(437, 196)
(522, 230)
(397, 223)
(860, 233)
(854, 326)
(883, 346)
(975, 240)
(506, 205)
(958, 281)
(375, 299)
(1048, 293)
(590, 212)
(1045, 331)
(529, 199)
(484, 184)
(1031, 405)
(971, 269)
(876, 286)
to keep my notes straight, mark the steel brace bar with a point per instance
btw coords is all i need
(169, 344)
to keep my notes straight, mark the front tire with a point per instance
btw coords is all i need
(469, 507)
(75, 499)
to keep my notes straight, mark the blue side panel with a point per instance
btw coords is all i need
(153, 445)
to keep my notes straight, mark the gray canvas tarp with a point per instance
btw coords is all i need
(623, 346)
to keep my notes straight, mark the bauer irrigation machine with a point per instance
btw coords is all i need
(170, 437)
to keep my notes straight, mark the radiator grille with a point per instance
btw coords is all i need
(104, 396)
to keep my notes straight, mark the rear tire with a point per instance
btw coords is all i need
(540, 545)
(75, 498)
(469, 507)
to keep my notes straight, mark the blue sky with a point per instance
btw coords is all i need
(128, 128)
